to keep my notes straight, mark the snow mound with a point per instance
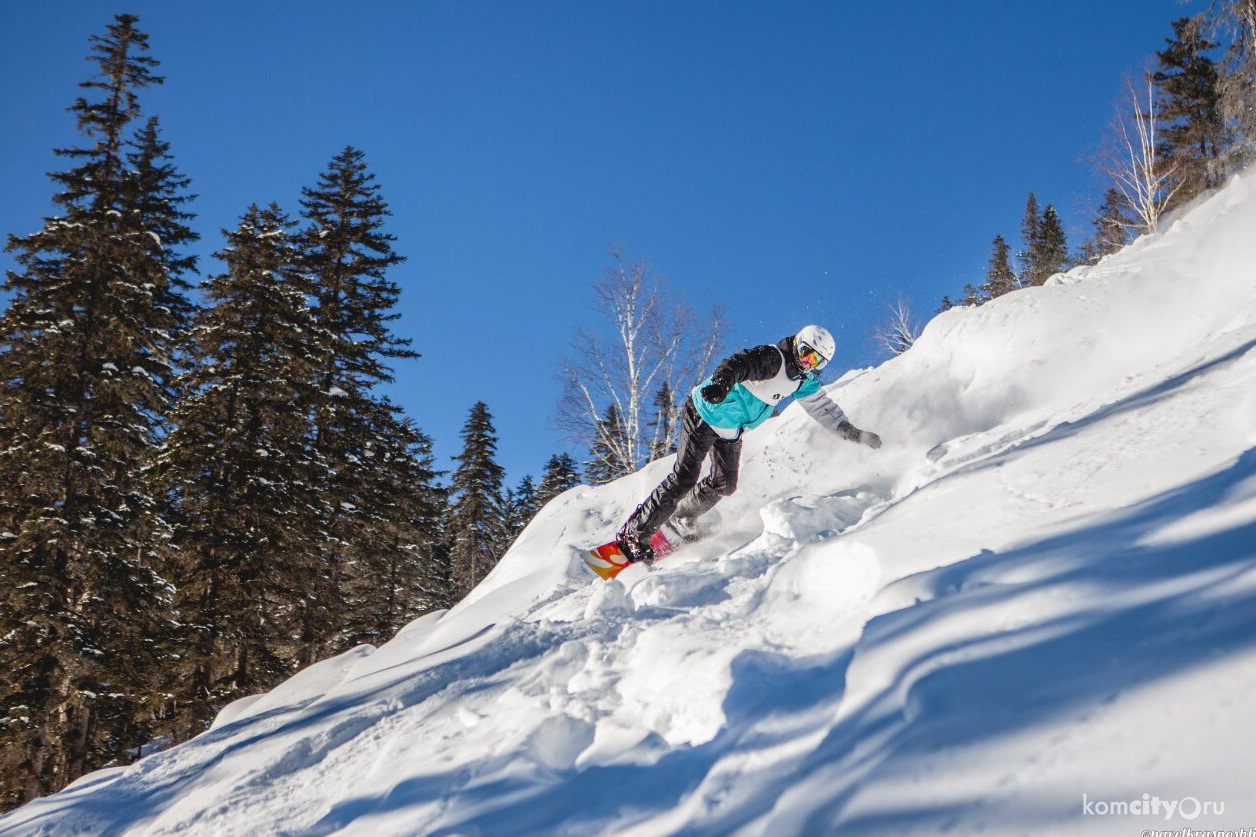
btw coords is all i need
(1039, 594)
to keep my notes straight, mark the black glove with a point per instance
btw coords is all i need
(716, 391)
(872, 440)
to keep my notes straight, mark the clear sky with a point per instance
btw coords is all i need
(798, 161)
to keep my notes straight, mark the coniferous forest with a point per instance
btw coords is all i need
(203, 486)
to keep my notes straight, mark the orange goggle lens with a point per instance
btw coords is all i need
(811, 359)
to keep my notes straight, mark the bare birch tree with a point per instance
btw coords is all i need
(899, 332)
(1130, 159)
(644, 338)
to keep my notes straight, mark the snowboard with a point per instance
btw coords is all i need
(608, 560)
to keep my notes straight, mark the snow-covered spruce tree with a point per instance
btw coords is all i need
(1052, 246)
(245, 486)
(1111, 225)
(477, 527)
(399, 571)
(85, 365)
(520, 506)
(157, 193)
(1030, 223)
(560, 474)
(663, 426)
(528, 498)
(1235, 21)
(972, 296)
(1045, 244)
(346, 256)
(1195, 138)
(607, 454)
(1000, 278)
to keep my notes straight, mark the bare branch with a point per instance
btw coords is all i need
(1147, 182)
(900, 331)
(651, 340)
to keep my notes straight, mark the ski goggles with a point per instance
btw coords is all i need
(810, 358)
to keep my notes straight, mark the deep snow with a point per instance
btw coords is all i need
(1032, 612)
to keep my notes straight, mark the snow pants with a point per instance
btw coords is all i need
(681, 494)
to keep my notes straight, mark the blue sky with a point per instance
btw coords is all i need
(797, 161)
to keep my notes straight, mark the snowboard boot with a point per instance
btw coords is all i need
(686, 527)
(635, 549)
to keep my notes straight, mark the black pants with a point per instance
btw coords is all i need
(681, 494)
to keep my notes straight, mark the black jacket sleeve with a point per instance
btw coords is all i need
(756, 364)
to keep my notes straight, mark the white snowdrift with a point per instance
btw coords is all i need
(1032, 612)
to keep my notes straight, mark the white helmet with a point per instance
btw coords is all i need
(814, 342)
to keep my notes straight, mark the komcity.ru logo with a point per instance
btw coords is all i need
(1188, 808)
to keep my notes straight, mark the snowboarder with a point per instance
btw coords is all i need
(742, 394)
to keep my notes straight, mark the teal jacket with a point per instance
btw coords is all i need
(743, 409)
(758, 380)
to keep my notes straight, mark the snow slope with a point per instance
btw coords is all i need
(1032, 612)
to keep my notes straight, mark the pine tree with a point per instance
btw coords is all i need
(560, 475)
(1000, 278)
(1031, 223)
(86, 349)
(346, 256)
(401, 572)
(521, 506)
(246, 527)
(1051, 251)
(477, 528)
(157, 193)
(1237, 82)
(1045, 244)
(1111, 228)
(663, 427)
(607, 461)
(1196, 137)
